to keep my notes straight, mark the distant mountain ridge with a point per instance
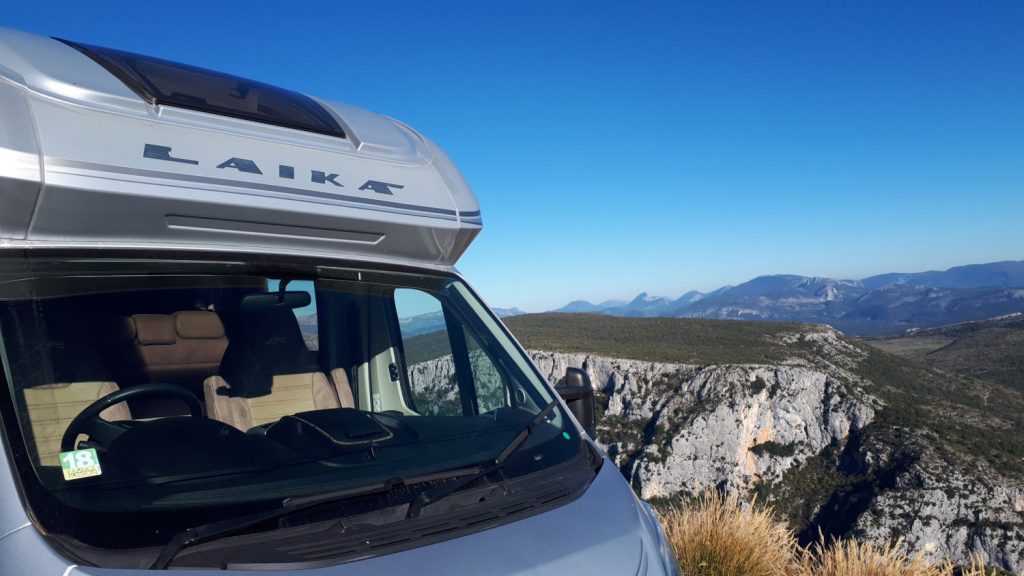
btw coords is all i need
(877, 304)
(578, 306)
(641, 306)
(1006, 273)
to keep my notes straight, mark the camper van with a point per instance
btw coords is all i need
(233, 339)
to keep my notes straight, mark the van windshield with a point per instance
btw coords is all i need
(145, 397)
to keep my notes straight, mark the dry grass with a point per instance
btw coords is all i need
(853, 558)
(721, 536)
(717, 536)
(977, 569)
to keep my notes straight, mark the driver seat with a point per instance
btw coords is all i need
(53, 358)
(52, 407)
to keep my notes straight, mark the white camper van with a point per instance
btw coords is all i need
(233, 339)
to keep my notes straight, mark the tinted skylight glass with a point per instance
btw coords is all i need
(172, 84)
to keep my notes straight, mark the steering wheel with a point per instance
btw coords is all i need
(89, 422)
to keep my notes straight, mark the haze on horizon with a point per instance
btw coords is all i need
(663, 147)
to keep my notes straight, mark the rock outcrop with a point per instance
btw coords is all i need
(676, 429)
(714, 426)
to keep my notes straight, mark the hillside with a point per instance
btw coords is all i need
(990, 349)
(675, 340)
(840, 436)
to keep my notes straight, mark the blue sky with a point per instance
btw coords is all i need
(661, 147)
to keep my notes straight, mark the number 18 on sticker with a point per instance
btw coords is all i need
(80, 464)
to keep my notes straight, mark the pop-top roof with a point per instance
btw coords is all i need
(169, 83)
(106, 148)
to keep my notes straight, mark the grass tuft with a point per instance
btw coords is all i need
(854, 558)
(720, 535)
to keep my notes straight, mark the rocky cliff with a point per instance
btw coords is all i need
(805, 434)
(679, 428)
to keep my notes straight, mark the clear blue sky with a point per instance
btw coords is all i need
(629, 146)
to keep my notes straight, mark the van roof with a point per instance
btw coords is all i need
(107, 148)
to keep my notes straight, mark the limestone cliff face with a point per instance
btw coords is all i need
(944, 510)
(714, 426)
(677, 429)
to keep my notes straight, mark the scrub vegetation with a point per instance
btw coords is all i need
(721, 535)
(675, 340)
(991, 349)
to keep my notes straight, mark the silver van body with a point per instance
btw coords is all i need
(88, 166)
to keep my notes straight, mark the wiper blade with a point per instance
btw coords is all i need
(432, 495)
(215, 530)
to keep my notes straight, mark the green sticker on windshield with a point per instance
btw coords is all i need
(80, 464)
(566, 436)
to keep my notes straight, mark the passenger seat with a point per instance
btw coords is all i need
(268, 373)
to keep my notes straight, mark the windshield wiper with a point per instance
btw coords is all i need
(214, 530)
(432, 495)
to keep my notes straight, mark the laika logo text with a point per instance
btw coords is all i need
(248, 166)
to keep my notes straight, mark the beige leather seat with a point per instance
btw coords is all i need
(55, 370)
(268, 372)
(290, 394)
(52, 407)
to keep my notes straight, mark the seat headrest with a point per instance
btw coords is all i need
(154, 329)
(199, 324)
(264, 343)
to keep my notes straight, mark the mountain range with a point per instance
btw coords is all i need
(878, 304)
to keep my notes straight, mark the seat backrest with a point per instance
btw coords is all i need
(182, 348)
(52, 407)
(268, 372)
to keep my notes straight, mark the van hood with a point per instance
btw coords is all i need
(601, 532)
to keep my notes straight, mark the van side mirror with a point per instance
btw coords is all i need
(578, 394)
